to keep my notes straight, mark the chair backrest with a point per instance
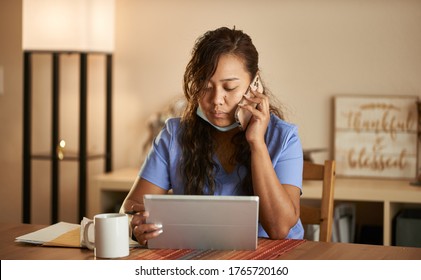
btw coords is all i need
(322, 215)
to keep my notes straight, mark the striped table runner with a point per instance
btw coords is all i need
(266, 250)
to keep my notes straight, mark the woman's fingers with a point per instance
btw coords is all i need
(140, 229)
(259, 99)
(137, 208)
(144, 232)
(139, 218)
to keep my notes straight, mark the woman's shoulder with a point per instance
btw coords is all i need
(169, 130)
(173, 121)
(172, 124)
(282, 135)
(279, 126)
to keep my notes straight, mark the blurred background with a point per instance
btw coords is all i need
(310, 51)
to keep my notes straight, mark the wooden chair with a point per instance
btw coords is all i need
(322, 215)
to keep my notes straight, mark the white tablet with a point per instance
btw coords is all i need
(204, 222)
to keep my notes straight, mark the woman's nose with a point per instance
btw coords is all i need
(218, 96)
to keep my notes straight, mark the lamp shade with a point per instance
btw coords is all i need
(68, 25)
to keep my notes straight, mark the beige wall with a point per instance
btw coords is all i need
(310, 51)
(10, 111)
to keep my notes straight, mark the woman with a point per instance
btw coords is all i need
(205, 152)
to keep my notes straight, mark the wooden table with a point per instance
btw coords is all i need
(9, 249)
(311, 250)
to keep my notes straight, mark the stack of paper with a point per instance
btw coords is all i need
(61, 234)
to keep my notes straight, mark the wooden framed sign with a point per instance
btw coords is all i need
(376, 136)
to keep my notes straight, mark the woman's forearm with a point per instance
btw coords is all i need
(278, 211)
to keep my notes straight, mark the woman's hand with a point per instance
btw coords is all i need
(140, 229)
(256, 129)
(133, 205)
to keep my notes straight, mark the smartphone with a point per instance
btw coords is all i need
(242, 116)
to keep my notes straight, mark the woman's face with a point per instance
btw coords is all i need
(225, 90)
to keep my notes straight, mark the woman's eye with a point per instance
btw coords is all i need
(230, 89)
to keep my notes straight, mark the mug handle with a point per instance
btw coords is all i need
(89, 244)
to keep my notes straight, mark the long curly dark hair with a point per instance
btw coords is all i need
(197, 166)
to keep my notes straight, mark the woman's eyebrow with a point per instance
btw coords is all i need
(229, 79)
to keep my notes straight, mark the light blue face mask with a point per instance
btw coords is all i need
(199, 112)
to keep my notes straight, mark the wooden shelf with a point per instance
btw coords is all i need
(68, 156)
(368, 190)
(393, 194)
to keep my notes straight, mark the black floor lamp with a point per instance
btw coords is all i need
(59, 28)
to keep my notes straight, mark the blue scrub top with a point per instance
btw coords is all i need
(284, 146)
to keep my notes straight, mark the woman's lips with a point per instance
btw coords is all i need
(219, 114)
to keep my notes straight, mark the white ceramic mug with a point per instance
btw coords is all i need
(111, 233)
